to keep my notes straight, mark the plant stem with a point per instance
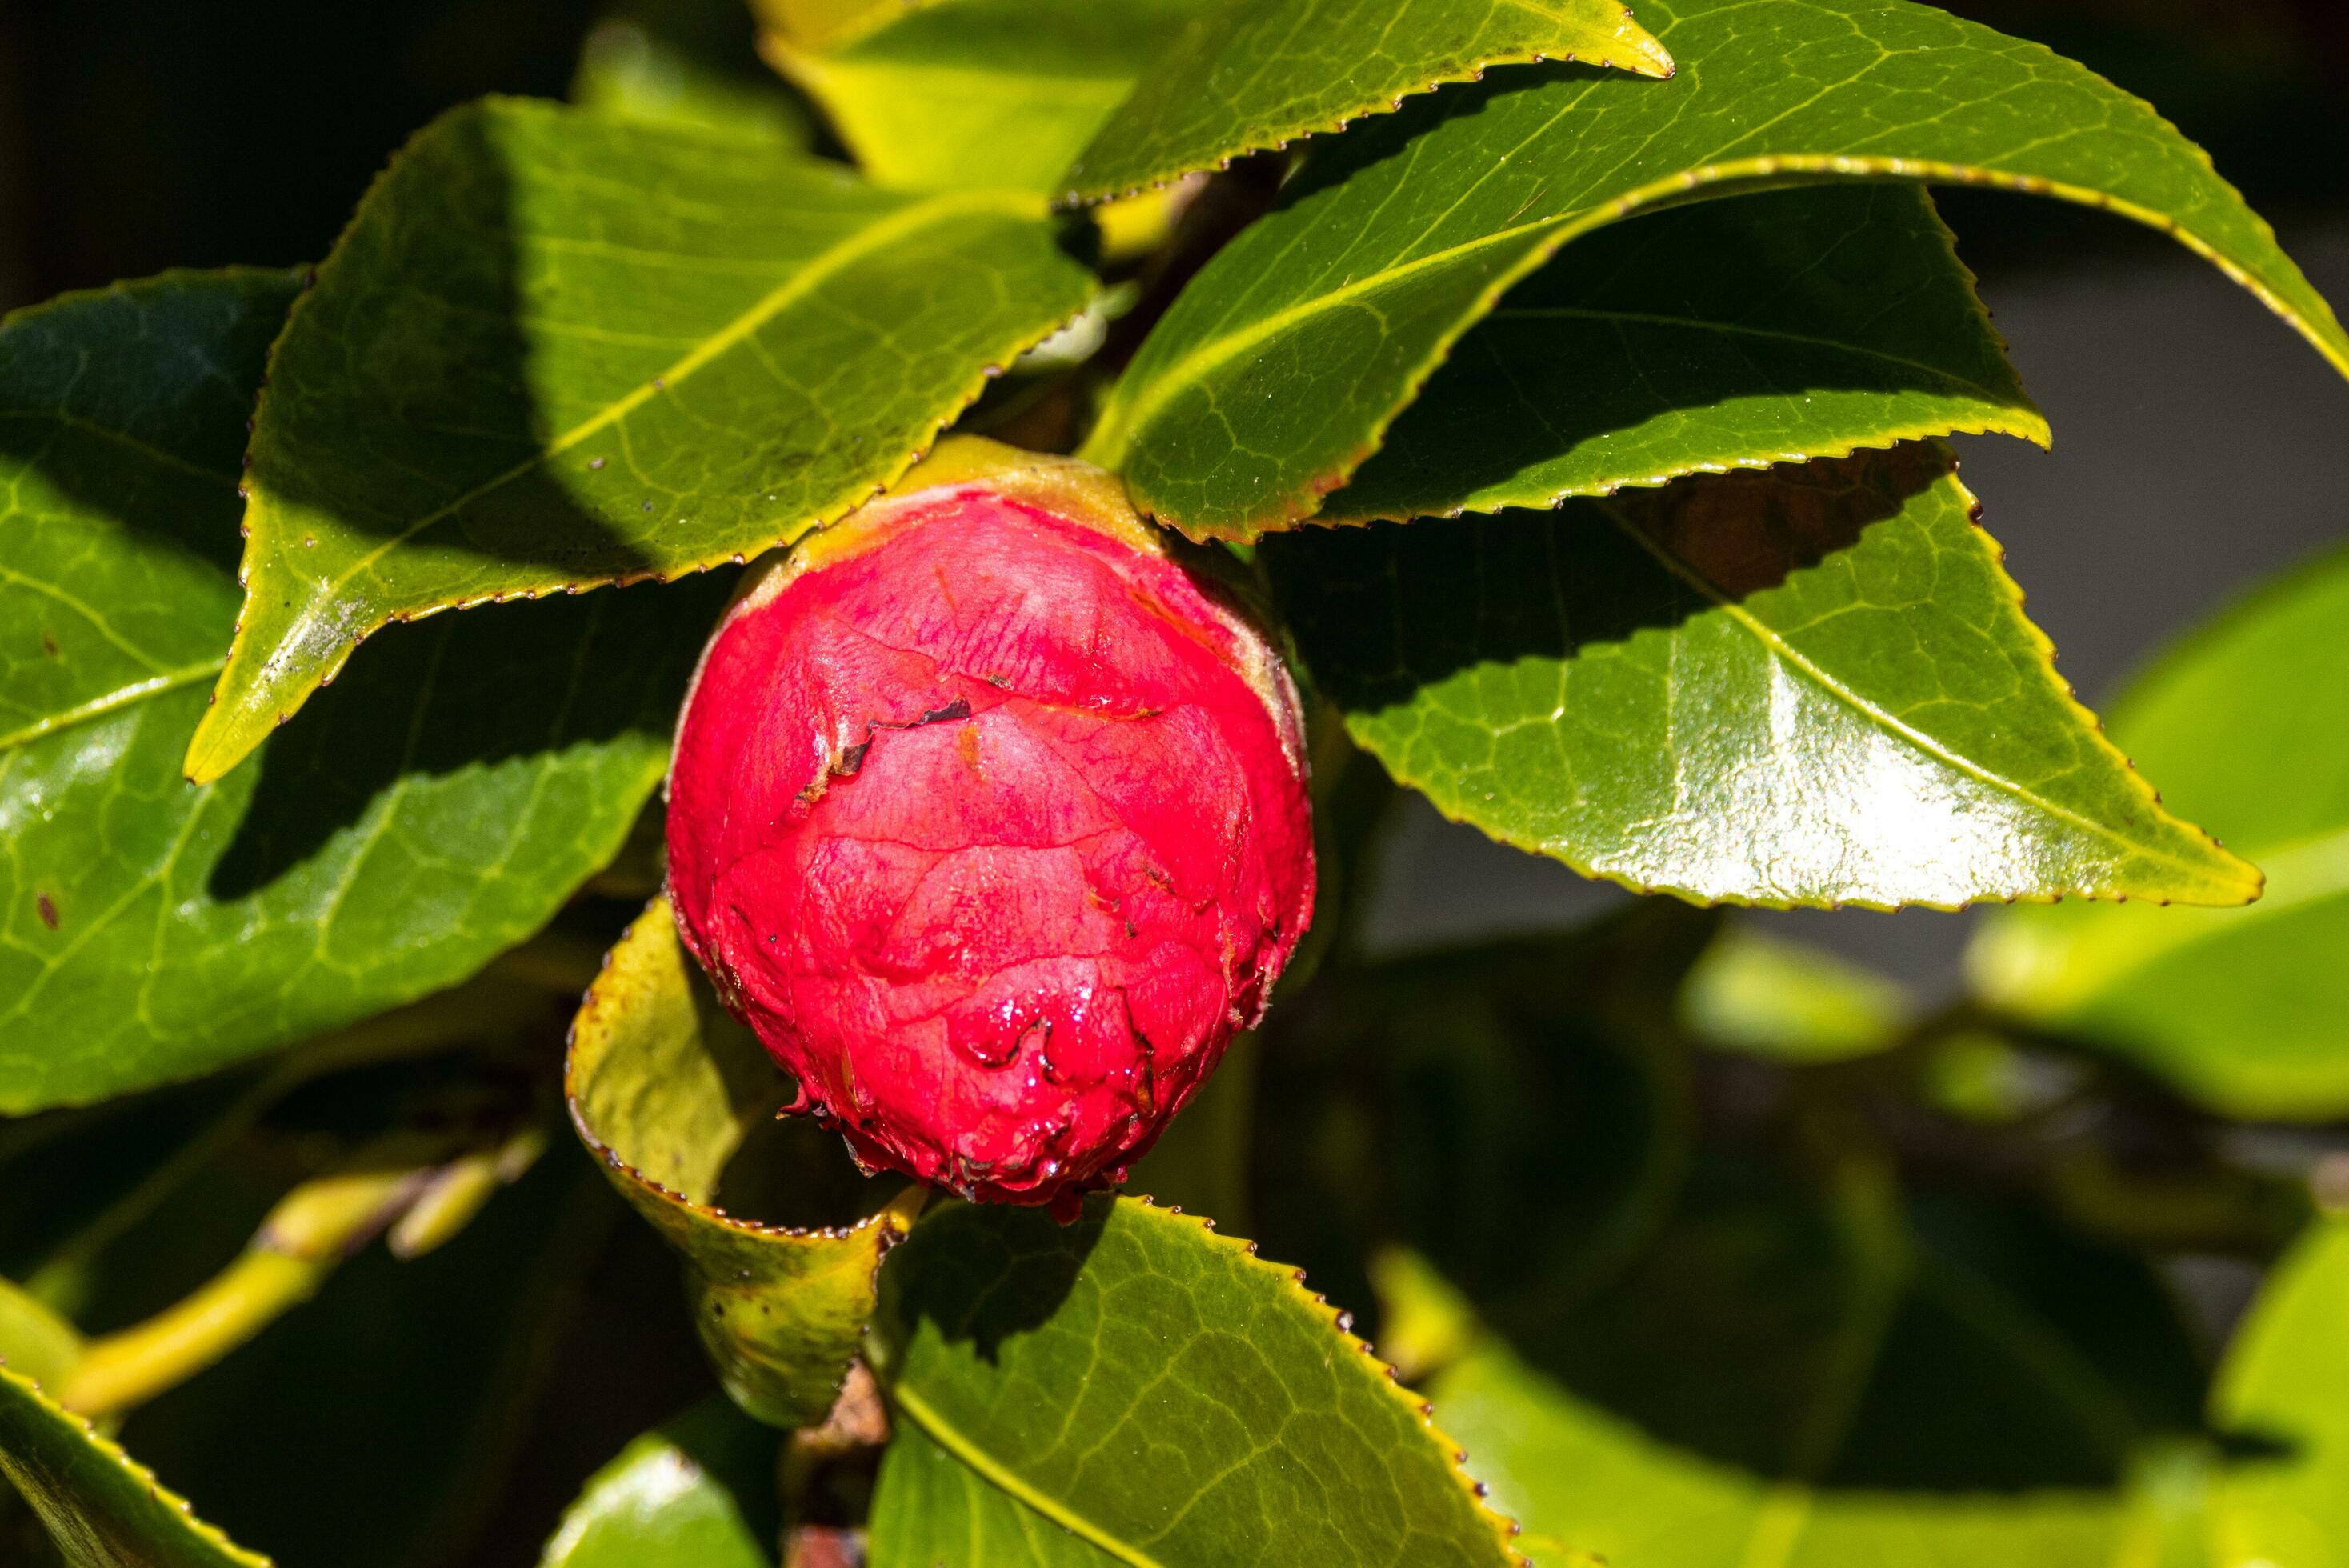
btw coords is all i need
(312, 1229)
(486, 1005)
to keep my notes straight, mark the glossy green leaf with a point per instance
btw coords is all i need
(1784, 1001)
(2246, 726)
(1262, 75)
(697, 1492)
(102, 1509)
(929, 1508)
(1644, 352)
(1796, 1379)
(970, 94)
(556, 349)
(1160, 1392)
(2285, 1388)
(435, 809)
(1275, 374)
(664, 1089)
(34, 1342)
(1810, 686)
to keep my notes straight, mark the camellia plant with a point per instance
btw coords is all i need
(1053, 473)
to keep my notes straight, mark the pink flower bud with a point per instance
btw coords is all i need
(990, 819)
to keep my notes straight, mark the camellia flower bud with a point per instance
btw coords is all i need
(989, 818)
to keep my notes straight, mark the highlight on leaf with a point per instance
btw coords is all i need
(1813, 685)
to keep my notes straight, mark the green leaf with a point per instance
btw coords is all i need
(2247, 726)
(1794, 1378)
(435, 809)
(2285, 1386)
(697, 1492)
(929, 1508)
(1160, 1392)
(1275, 374)
(1262, 75)
(555, 350)
(102, 1508)
(1810, 686)
(1787, 1001)
(970, 94)
(664, 1088)
(1639, 355)
(34, 1342)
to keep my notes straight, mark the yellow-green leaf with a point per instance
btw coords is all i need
(101, 1507)
(2246, 726)
(969, 93)
(1261, 74)
(664, 1088)
(2284, 1502)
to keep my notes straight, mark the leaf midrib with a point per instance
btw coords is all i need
(1785, 653)
(1766, 334)
(113, 701)
(803, 282)
(1114, 437)
(1008, 1481)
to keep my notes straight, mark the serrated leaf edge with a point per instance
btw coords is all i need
(1292, 1285)
(1114, 437)
(210, 1535)
(896, 1217)
(131, 289)
(220, 743)
(2043, 664)
(2031, 425)
(1649, 59)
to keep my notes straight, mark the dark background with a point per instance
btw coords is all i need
(2201, 444)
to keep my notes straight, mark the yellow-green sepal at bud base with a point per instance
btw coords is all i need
(666, 1089)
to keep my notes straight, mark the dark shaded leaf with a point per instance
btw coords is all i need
(1795, 1377)
(1731, 334)
(556, 349)
(433, 810)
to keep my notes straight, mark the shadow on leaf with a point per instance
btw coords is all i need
(1385, 610)
(483, 689)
